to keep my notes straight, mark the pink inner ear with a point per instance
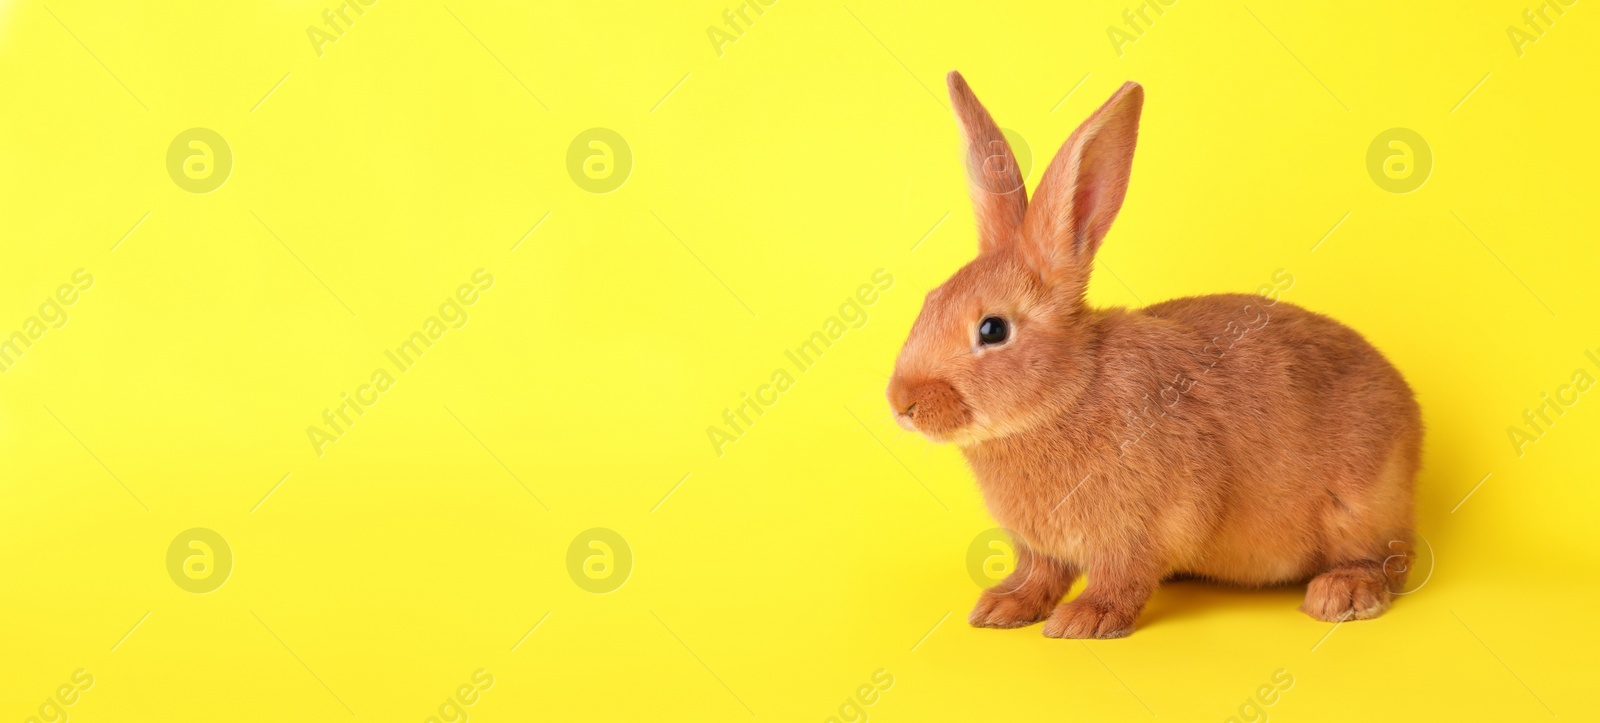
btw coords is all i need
(1083, 189)
(1099, 192)
(1084, 201)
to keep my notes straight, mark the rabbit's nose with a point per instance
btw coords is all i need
(930, 405)
(905, 419)
(899, 398)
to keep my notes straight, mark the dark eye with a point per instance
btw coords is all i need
(992, 330)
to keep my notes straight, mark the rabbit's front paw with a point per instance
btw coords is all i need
(1086, 619)
(1008, 609)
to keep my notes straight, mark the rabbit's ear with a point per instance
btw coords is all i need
(1082, 190)
(999, 199)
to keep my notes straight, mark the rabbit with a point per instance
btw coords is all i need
(1232, 438)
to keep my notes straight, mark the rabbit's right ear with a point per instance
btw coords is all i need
(999, 199)
(1081, 192)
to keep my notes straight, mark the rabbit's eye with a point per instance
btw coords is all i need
(992, 330)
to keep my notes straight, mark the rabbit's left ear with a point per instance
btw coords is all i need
(1081, 192)
(999, 199)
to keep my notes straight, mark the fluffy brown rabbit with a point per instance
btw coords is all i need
(1231, 437)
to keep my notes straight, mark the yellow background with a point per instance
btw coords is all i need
(768, 182)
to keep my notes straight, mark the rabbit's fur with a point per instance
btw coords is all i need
(1231, 437)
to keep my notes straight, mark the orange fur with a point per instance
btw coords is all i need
(1231, 437)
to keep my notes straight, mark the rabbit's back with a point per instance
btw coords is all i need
(1305, 373)
(1320, 433)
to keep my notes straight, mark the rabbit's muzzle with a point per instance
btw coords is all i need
(930, 406)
